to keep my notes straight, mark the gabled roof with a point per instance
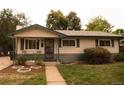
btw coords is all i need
(88, 33)
(36, 26)
(64, 33)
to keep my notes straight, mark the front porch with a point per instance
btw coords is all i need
(47, 48)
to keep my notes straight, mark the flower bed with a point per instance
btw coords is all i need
(36, 67)
(23, 70)
(17, 66)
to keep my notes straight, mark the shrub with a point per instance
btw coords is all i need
(97, 55)
(119, 57)
(20, 60)
(38, 59)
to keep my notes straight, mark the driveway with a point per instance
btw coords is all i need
(5, 62)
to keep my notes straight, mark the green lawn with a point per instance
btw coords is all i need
(93, 74)
(36, 80)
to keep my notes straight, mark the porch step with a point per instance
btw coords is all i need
(51, 63)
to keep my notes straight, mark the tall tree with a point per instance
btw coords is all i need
(99, 24)
(8, 22)
(74, 22)
(118, 31)
(56, 20)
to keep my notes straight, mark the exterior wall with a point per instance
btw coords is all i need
(84, 43)
(36, 33)
(68, 54)
(18, 51)
(114, 49)
(30, 51)
(87, 43)
(74, 54)
(71, 54)
(56, 46)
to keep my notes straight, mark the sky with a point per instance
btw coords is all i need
(37, 10)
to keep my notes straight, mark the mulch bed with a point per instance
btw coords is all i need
(33, 71)
(10, 76)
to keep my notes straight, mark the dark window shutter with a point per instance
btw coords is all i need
(59, 42)
(37, 44)
(96, 43)
(22, 44)
(78, 43)
(42, 43)
(112, 43)
(26, 44)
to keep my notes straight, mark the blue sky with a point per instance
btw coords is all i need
(37, 10)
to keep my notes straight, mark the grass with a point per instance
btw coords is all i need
(93, 74)
(10, 76)
(36, 80)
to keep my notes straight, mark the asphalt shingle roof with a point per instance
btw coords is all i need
(69, 33)
(86, 33)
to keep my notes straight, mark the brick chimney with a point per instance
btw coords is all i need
(19, 27)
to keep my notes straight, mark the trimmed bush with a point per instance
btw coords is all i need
(119, 57)
(38, 59)
(20, 60)
(97, 56)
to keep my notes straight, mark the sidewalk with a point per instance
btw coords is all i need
(5, 62)
(53, 76)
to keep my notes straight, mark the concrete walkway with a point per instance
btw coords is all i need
(53, 76)
(5, 62)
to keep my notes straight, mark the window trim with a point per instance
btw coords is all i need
(69, 46)
(104, 40)
(28, 43)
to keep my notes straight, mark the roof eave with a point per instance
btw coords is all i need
(100, 36)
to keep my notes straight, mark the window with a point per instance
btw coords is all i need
(31, 44)
(104, 42)
(69, 43)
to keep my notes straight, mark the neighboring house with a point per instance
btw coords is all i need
(61, 45)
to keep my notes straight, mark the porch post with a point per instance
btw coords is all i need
(58, 51)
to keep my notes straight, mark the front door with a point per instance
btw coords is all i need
(49, 49)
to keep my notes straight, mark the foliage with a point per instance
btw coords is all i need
(93, 74)
(97, 55)
(20, 60)
(99, 24)
(119, 57)
(38, 59)
(118, 31)
(57, 21)
(8, 22)
(74, 22)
